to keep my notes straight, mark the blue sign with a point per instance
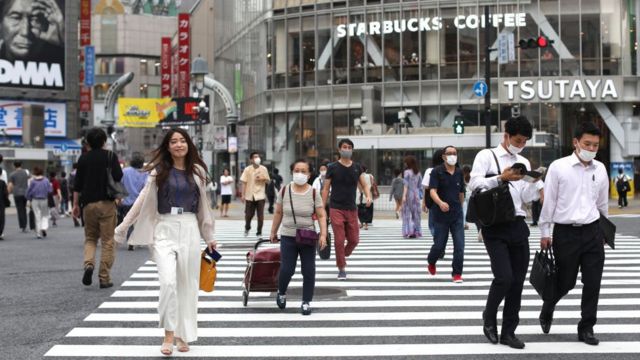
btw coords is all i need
(63, 147)
(480, 88)
(89, 65)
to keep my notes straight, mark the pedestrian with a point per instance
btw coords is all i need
(270, 192)
(318, 182)
(428, 202)
(212, 187)
(343, 177)
(37, 197)
(397, 190)
(446, 188)
(365, 212)
(4, 179)
(98, 208)
(411, 199)
(133, 179)
(226, 191)
(18, 185)
(4, 203)
(64, 194)
(172, 213)
(53, 200)
(577, 195)
(254, 180)
(296, 204)
(507, 243)
(3, 173)
(466, 175)
(72, 176)
(622, 186)
(536, 205)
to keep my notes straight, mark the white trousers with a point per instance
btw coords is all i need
(41, 212)
(176, 251)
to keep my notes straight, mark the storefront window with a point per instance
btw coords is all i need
(612, 44)
(529, 58)
(374, 51)
(430, 48)
(468, 45)
(392, 54)
(411, 48)
(570, 36)
(340, 123)
(590, 25)
(324, 50)
(308, 51)
(549, 58)
(269, 54)
(358, 56)
(280, 54)
(293, 52)
(308, 141)
(340, 63)
(449, 45)
(326, 143)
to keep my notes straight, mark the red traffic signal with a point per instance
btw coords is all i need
(534, 43)
(542, 42)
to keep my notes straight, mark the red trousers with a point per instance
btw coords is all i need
(345, 228)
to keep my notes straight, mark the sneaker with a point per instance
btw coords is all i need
(259, 235)
(88, 273)
(130, 248)
(106, 285)
(1, 236)
(281, 301)
(246, 233)
(432, 269)
(305, 309)
(342, 275)
(44, 233)
(457, 278)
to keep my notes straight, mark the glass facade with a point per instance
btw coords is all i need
(302, 67)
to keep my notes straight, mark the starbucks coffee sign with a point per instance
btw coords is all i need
(555, 90)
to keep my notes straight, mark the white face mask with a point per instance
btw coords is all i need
(586, 155)
(300, 178)
(323, 173)
(514, 149)
(256, 161)
(452, 159)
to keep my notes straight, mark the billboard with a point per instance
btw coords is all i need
(149, 113)
(32, 44)
(55, 117)
(627, 169)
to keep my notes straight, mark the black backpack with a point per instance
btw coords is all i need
(622, 184)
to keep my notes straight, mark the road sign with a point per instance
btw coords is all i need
(458, 125)
(480, 88)
(503, 48)
(63, 147)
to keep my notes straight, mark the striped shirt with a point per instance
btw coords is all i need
(304, 207)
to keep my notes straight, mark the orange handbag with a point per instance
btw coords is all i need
(208, 273)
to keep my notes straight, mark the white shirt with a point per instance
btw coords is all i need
(574, 193)
(3, 176)
(522, 192)
(318, 183)
(426, 177)
(226, 189)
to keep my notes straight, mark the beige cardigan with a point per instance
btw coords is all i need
(144, 213)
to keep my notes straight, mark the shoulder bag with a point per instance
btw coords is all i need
(375, 193)
(304, 236)
(493, 206)
(115, 189)
(208, 272)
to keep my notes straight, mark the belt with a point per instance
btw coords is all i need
(577, 225)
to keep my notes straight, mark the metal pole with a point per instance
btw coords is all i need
(487, 78)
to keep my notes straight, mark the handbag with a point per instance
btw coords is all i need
(304, 236)
(493, 206)
(543, 275)
(208, 273)
(375, 193)
(115, 189)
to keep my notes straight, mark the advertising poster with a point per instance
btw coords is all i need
(55, 117)
(220, 138)
(149, 113)
(627, 168)
(32, 44)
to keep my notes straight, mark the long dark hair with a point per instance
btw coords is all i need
(162, 161)
(411, 163)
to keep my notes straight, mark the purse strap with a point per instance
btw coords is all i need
(291, 204)
(497, 162)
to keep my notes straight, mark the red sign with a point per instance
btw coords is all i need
(85, 39)
(184, 55)
(165, 67)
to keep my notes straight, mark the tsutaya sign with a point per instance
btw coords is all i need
(568, 89)
(429, 24)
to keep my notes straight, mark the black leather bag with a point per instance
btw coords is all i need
(493, 206)
(543, 275)
(115, 189)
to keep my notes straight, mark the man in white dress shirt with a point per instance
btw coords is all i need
(507, 243)
(576, 194)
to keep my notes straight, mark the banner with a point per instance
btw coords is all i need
(149, 113)
(85, 99)
(89, 65)
(165, 67)
(627, 168)
(55, 117)
(220, 138)
(184, 55)
(34, 59)
(86, 102)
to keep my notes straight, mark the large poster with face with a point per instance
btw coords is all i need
(32, 44)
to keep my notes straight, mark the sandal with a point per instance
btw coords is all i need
(167, 348)
(181, 345)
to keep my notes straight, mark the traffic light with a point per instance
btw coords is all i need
(458, 125)
(534, 43)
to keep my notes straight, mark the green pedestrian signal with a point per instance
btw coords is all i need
(458, 125)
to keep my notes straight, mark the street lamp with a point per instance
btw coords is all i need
(199, 69)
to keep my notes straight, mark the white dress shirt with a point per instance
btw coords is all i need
(485, 164)
(427, 177)
(574, 193)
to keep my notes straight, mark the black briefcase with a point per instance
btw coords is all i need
(608, 231)
(544, 277)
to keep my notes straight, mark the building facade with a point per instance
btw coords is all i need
(308, 72)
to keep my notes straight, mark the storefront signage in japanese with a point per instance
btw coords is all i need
(55, 117)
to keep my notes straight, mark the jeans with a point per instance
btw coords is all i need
(441, 235)
(21, 207)
(289, 251)
(432, 228)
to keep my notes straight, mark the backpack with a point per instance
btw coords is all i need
(622, 184)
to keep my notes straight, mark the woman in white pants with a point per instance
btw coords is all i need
(39, 189)
(171, 215)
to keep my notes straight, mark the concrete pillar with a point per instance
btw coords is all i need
(623, 111)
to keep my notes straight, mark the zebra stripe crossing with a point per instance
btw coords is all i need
(388, 307)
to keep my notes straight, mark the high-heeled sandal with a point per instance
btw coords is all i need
(182, 345)
(166, 348)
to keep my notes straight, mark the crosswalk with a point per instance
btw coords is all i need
(388, 308)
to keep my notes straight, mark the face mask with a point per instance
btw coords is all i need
(586, 155)
(323, 173)
(346, 154)
(452, 159)
(300, 178)
(514, 149)
(256, 161)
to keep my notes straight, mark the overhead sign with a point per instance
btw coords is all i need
(35, 58)
(480, 88)
(165, 67)
(435, 23)
(149, 113)
(184, 55)
(89, 65)
(55, 117)
(570, 89)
